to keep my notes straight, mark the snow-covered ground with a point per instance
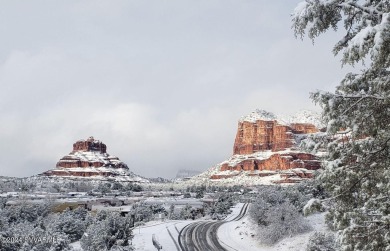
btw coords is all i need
(233, 235)
(166, 233)
(239, 178)
(241, 235)
(124, 175)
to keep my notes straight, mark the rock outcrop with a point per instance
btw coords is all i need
(89, 158)
(266, 144)
(276, 162)
(262, 135)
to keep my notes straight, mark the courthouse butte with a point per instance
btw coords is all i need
(266, 145)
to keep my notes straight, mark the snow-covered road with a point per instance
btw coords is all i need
(167, 232)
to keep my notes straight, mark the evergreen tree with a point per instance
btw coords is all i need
(110, 231)
(357, 173)
(70, 223)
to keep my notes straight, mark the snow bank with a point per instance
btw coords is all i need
(241, 235)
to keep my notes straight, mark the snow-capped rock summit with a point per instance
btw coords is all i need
(259, 114)
(90, 159)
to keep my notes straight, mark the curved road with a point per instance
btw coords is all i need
(202, 236)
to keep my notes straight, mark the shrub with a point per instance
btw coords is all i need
(313, 206)
(277, 213)
(70, 223)
(321, 242)
(282, 221)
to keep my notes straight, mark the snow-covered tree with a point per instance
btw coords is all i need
(158, 209)
(276, 212)
(142, 212)
(34, 235)
(186, 212)
(171, 211)
(110, 231)
(70, 223)
(26, 212)
(357, 170)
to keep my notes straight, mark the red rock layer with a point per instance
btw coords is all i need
(65, 163)
(72, 161)
(276, 162)
(303, 128)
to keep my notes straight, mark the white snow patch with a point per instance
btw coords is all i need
(241, 235)
(303, 116)
(142, 240)
(75, 246)
(258, 114)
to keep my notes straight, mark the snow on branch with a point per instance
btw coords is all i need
(367, 10)
(367, 26)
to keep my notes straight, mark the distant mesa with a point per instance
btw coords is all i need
(185, 174)
(90, 159)
(266, 144)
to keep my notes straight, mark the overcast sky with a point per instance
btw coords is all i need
(161, 83)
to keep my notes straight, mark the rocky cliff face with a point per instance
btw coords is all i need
(262, 135)
(89, 145)
(266, 143)
(275, 162)
(90, 159)
(267, 133)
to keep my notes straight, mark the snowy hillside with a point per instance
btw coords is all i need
(241, 235)
(118, 174)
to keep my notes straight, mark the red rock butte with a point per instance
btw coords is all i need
(89, 158)
(263, 143)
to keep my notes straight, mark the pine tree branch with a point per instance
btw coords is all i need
(353, 105)
(347, 190)
(384, 147)
(361, 8)
(359, 96)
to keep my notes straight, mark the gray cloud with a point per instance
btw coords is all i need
(162, 83)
